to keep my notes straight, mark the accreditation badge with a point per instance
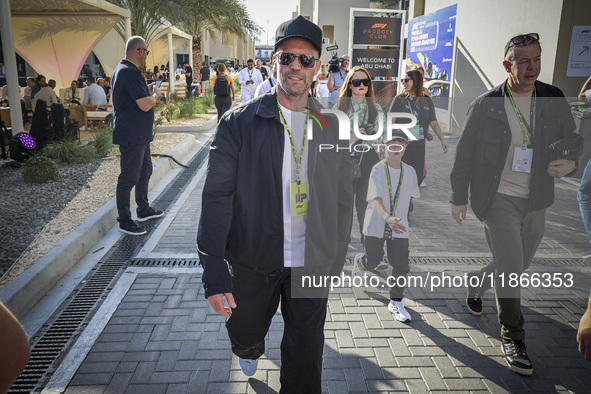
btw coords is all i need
(298, 197)
(522, 160)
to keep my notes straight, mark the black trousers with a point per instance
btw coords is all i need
(257, 297)
(136, 169)
(222, 103)
(370, 158)
(397, 250)
(415, 157)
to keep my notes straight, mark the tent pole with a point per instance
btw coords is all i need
(127, 29)
(171, 69)
(14, 96)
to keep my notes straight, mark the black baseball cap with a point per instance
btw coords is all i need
(396, 134)
(299, 27)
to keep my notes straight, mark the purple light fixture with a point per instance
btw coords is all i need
(22, 146)
(26, 140)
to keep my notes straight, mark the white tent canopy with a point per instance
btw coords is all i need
(56, 37)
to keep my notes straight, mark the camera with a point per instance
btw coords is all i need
(335, 62)
(369, 130)
(250, 81)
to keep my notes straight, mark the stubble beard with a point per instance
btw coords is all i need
(294, 91)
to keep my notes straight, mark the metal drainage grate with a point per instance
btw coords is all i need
(50, 345)
(483, 261)
(67, 325)
(171, 263)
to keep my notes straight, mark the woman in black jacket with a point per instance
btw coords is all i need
(413, 100)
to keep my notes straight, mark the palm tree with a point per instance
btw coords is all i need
(229, 17)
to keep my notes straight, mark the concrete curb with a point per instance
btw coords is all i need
(30, 287)
(180, 128)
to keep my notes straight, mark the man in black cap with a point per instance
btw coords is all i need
(275, 208)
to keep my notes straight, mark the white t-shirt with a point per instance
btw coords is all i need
(294, 227)
(374, 224)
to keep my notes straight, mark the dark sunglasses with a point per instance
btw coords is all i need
(306, 61)
(358, 82)
(147, 52)
(405, 80)
(520, 39)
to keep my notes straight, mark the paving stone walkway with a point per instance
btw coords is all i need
(164, 338)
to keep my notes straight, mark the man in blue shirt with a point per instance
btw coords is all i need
(335, 80)
(133, 102)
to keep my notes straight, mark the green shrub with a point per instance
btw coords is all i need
(103, 143)
(72, 151)
(40, 169)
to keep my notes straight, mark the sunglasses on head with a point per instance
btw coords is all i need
(306, 61)
(520, 39)
(358, 82)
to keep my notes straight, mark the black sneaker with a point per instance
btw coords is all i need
(587, 254)
(474, 298)
(130, 227)
(150, 213)
(516, 357)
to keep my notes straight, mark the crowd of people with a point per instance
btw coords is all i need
(276, 208)
(265, 219)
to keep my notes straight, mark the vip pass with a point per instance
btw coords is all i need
(298, 190)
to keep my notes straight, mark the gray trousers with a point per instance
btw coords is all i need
(513, 234)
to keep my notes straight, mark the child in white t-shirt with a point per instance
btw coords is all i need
(391, 186)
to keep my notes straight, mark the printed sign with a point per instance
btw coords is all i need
(379, 62)
(431, 45)
(376, 31)
(579, 58)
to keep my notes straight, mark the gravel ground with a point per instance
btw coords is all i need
(28, 207)
(36, 217)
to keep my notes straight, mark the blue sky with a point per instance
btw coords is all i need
(276, 12)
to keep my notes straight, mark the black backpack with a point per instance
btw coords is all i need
(222, 86)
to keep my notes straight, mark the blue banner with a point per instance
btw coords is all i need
(431, 45)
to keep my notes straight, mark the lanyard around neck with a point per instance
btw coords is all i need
(526, 128)
(298, 158)
(394, 199)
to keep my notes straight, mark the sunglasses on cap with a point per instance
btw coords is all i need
(358, 82)
(306, 61)
(520, 39)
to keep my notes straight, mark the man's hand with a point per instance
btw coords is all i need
(459, 213)
(217, 302)
(584, 334)
(559, 168)
(444, 146)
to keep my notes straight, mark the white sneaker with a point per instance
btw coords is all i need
(357, 271)
(249, 367)
(399, 311)
(382, 266)
(423, 184)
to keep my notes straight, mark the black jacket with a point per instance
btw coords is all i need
(242, 209)
(483, 147)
